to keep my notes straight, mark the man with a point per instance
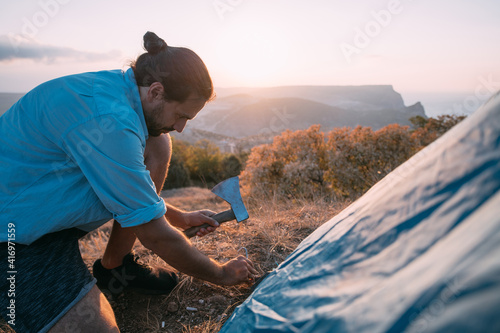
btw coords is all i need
(83, 149)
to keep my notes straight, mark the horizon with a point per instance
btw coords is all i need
(423, 93)
(294, 85)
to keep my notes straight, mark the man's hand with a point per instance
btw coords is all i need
(186, 220)
(238, 270)
(200, 217)
(173, 247)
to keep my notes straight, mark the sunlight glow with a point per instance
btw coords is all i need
(253, 54)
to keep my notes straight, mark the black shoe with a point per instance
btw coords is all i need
(132, 275)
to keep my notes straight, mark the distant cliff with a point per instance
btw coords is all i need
(243, 112)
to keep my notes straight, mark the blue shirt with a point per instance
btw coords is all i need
(72, 155)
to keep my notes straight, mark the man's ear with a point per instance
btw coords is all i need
(155, 91)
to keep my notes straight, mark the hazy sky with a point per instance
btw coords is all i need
(415, 45)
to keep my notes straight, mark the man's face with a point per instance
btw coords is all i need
(168, 116)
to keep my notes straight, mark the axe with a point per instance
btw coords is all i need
(228, 190)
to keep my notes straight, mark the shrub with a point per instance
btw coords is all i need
(178, 174)
(302, 164)
(201, 164)
(359, 158)
(231, 166)
(293, 163)
(428, 130)
(204, 162)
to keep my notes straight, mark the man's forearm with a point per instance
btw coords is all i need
(175, 216)
(173, 247)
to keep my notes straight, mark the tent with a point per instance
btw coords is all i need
(419, 252)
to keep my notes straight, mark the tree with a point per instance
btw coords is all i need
(231, 166)
(428, 130)
(178, 174)
(418, 121)
(204, 162)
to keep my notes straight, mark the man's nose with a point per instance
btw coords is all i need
(180, 125)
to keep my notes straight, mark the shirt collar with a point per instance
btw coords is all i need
(135, 98)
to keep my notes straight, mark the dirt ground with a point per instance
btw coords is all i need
(268, 237)
(194, 305)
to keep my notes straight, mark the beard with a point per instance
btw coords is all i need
(153, 123)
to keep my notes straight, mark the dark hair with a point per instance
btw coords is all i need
(180, 71)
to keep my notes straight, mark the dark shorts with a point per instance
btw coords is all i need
(46, 279)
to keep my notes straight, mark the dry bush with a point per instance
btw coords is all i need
(358, 158)
(201, 164)
(343, 164)
(426, 130)
(292, 164)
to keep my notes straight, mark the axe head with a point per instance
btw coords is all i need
(229, 190)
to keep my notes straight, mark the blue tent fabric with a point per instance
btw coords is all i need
(419, 252)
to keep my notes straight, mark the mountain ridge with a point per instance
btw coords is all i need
(244, 112)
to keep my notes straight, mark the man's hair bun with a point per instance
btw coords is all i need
(153, 44)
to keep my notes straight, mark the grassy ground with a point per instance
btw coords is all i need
(273, 231)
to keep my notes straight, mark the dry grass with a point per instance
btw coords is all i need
(274, 230)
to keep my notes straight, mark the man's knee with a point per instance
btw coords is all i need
(158, 151)
(91, 314)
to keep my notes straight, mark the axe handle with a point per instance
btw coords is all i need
(225, 216)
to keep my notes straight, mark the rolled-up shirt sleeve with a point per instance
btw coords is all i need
(110, 154)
